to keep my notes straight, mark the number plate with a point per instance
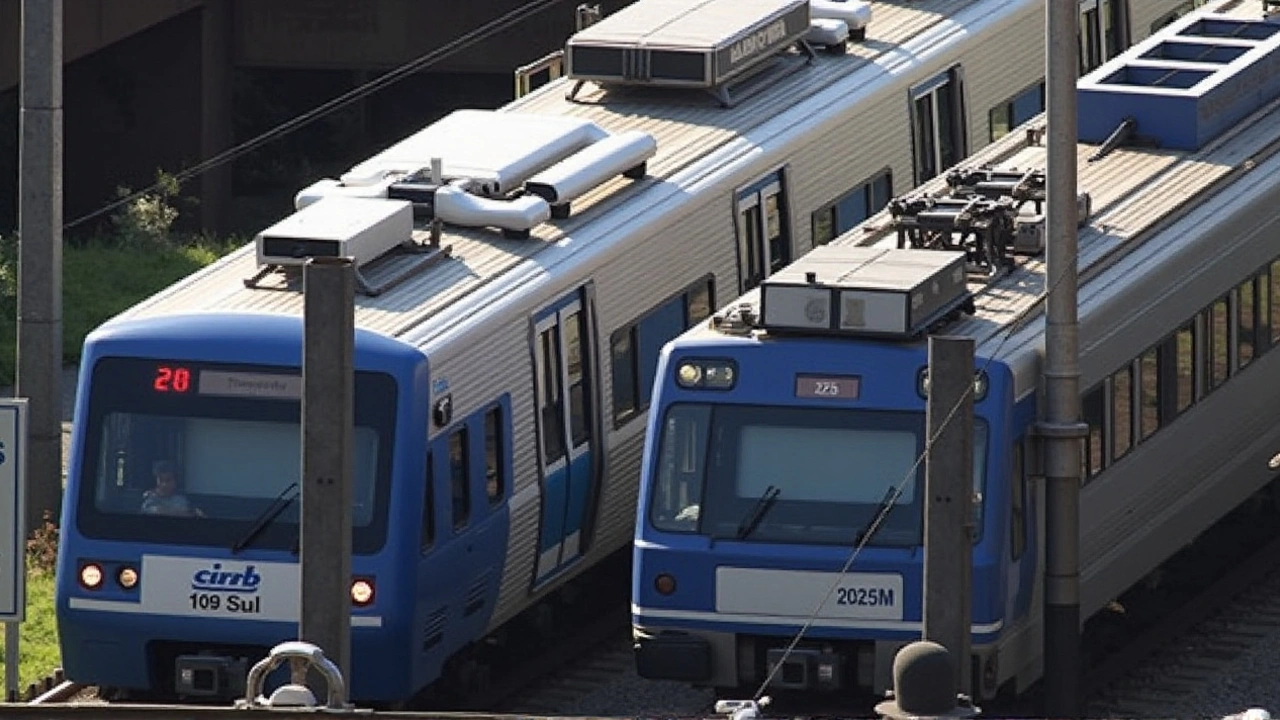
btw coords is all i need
(796, 594)
(828, 387)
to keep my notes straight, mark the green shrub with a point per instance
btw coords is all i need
(107, 274)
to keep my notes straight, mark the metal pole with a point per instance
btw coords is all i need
(40, 252)
(328, 387)
(948, 519)
(1062, 428)
(11, 660)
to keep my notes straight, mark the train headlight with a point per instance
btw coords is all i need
(127, 577)
(91, 576)
(706, 374)
(362, 592)
(689, 375)
(665, 584)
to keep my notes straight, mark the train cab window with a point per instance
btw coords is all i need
(494, 482)
(1092, 406)
(1016, 110)
(860, 203)
(1104, 31)
(1219, 343)
(764, 229)
(1017, 504)
(937, 124)
(458, 475)
(1150, 390)
(428, 509)
(1246, 321)
(1185, 344)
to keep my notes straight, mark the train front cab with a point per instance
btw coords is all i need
(745, 524)
(183, 605)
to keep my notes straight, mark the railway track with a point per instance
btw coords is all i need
(1184, 656)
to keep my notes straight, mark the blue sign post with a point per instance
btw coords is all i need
(13, 566)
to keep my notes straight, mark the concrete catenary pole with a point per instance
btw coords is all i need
(328, 407)
(40, 253)
(1061, 428)
(948, 519)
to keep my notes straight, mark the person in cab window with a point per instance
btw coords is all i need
(164, 498)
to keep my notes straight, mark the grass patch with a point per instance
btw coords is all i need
(38, 652)
(100, 279)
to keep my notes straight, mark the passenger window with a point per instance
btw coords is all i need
(1017, 516)
(1219, 347)
(1246, 304)
(1121, 412)
(1275, 303)
(458, 474)
(937, 124)
(1149, 391)
(1092, 406)
(495, 483)
(1186, 343)
(428, 509)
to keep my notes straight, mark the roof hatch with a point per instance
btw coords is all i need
(1183, 86)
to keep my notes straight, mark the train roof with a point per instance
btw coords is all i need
(1208, 121)
(690, 128)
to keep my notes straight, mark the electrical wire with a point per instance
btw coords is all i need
(391, 76)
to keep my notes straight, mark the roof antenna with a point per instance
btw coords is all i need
(437, 179)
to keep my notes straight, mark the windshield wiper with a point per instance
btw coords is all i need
(877, 518)
(268, 515)
(758, 511)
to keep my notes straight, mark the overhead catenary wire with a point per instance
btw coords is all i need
(299, 121)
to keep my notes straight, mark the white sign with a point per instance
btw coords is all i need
(228, 589)
(13, 492)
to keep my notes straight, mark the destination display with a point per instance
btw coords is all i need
(179, 379)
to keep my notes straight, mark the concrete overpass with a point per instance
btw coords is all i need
(148, 83)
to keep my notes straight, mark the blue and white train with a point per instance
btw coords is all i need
(515, 293)
(777, 427)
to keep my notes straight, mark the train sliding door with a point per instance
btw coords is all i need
(566, 425)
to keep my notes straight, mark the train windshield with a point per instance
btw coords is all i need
(197, 454)
(795, 475)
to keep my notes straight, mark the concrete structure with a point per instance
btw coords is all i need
(149, 83)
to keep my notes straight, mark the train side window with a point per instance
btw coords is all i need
(1185, 344)
(1092, 406)
(1275, 302)
(864, 200)
(1017, 504)
(1262, 341)
(763, 229)
(1121, 412)
(1150, 389)
(1219, 343)
(1182, 9)
(937, 124)
(1246, 321)
(458, 475)
(549, 366)
(576, 367)
(428, 508)
(494, 482)
(1018, 109)
(1104, 31)
(635, 348)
